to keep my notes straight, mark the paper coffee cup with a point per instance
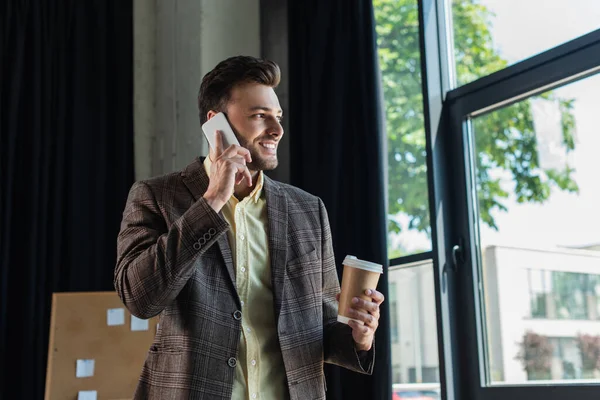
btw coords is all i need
(359, 275)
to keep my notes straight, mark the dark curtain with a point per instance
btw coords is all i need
(66, 125)
(337, 144)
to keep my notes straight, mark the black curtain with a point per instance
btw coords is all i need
(337, 144)
(66, 125)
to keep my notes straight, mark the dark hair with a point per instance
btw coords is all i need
(216, 86)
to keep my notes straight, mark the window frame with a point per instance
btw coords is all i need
(453, 200)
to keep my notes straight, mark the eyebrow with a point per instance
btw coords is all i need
(263, 108)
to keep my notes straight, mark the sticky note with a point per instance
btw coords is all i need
(87, 395)
(138, 324)
(85, 368)
(115, 316)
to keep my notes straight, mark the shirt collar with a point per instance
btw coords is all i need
(256, 192)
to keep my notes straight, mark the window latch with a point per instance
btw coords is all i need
(458, 256)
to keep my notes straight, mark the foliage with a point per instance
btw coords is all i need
(505, 138)
(535, 354)
(589, 346)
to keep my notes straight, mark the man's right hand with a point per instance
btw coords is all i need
(228, 169)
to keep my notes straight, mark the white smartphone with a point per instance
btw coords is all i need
(219, 123)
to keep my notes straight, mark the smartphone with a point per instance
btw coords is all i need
(219, 123)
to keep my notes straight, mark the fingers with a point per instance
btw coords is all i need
(234, 159)
(369, 306)
(241, 171)
(358, 327)
(369, 320)
(237, 151)
(362, 334)
(231, 151)
(376, 296)
(246, 174)
(218, 143)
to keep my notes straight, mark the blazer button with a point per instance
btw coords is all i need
(237, 315)
(197, 246)
(232, 362)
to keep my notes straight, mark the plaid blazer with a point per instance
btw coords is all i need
(174, 259)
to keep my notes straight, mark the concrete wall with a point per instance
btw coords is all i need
(144, 103)
(176, 42)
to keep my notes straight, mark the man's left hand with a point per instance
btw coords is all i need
(367, 312)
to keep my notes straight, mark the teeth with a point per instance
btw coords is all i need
(268, 145)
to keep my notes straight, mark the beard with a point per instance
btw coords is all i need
(259, 162)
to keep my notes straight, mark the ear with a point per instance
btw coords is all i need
(211, 114)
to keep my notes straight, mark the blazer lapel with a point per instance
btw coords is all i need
(277, 212)
(195, 178)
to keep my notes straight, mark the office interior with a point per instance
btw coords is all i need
(453, 141)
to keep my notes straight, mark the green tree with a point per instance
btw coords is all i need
(505, 138)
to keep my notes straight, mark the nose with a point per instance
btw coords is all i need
(275, 129)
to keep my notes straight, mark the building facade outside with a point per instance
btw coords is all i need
(542, 313)
(413, 324)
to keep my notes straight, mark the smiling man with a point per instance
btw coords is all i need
(239, 267)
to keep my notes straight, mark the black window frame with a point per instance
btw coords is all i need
(452, 199)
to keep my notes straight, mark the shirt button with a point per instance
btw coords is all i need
(248, 330)
(253, 362)
(243, 269)
(237, 315)
(242, 302)
(241, 237)
(253, 395)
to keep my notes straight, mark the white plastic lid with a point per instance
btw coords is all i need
(352, 261)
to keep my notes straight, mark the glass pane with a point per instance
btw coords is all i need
(538, 193)
(415, 362)
(492, 34)
(399, 59)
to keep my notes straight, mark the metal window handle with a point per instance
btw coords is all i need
(457, 256)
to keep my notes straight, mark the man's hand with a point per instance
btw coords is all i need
(227, 170)
(367, 312)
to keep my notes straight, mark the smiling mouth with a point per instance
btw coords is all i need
(269, 146)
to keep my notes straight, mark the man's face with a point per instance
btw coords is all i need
(255, 115)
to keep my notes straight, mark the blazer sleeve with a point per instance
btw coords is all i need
(155, 262)
(338, 342)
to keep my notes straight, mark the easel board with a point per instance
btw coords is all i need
(80, 330)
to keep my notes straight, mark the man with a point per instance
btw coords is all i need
(240, 267)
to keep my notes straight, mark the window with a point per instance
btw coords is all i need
(564, 295)
(414, 327)
(397, 24)
(538, 293)
(513, 168)
(412, 297)
(537, 185)
(566, 359)
(512, 158)
(394, 312)
(490, 35)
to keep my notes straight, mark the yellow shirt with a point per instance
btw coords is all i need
(260, 373)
